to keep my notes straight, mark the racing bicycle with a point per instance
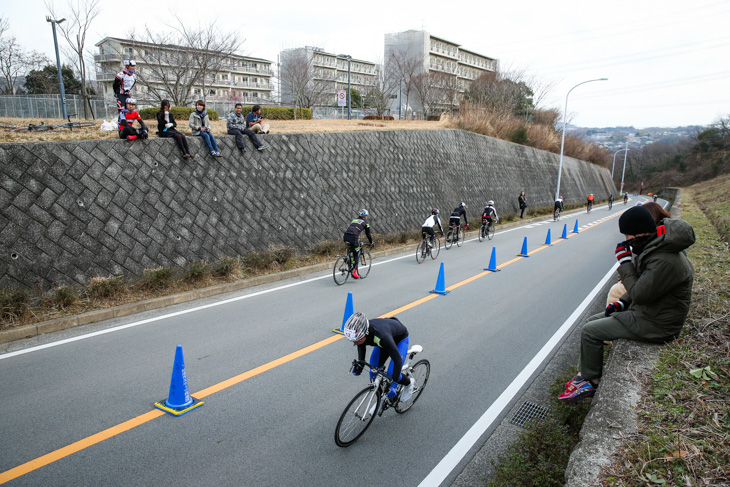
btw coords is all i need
(374, 400)
(345, 264)
(486, 231)
(610, 205)
(556, 214)
(454, 234)
(42, 127)
(424, 249)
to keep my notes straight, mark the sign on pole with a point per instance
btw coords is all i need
(342, 98)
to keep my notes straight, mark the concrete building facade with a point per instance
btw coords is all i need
(234, 78)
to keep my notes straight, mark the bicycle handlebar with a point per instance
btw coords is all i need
(377, 370)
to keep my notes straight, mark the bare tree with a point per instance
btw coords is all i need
(427, 91)
(74, 30)
(383, 90)
(177, 60)
(303, 85)
(14, 61)
(501, 94)
(404, 65)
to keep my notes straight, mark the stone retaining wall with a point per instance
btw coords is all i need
(73, 210)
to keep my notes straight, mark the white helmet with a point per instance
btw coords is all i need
(130, 101)
(363, 213)
(356, 327)
(490, 203)
(463, 205)
(130, 62)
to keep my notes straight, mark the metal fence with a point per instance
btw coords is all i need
(49, 106)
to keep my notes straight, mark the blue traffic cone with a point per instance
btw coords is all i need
(523, 252)
(547, 240)
(440, 283)
(575, 229)
(179, 400)
(565, 231)
(349, 310)
(493, 260)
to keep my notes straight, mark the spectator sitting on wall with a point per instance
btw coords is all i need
(236, 125)
(123, 83)
(255, 121)
(126, 122)
(200, 124)
(166, 128)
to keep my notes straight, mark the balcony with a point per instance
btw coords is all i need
(105, 58)
(105, 75)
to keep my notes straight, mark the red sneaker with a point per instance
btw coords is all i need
(355, 274)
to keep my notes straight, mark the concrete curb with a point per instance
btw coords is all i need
(96, 316)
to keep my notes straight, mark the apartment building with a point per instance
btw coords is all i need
(453, 66)
(320, 75)
(233, 78)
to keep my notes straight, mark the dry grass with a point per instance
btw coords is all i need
(218, 127)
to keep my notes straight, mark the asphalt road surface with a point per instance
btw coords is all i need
(76, 407)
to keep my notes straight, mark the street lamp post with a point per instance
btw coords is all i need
(562, 143)
(614, 161)
(624, 170)
(58, 65)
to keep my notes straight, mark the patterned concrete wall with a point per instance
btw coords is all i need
(74, 210)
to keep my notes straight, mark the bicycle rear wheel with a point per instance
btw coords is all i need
(341, 270)
(490, 231)
(420, 371)
(7, 125)
(482, 233)
(364, 264)
(34, 128)
(357, 416)
(79, 125)
(459, 237)
(435, 248)
(421, 251)
(449, 239)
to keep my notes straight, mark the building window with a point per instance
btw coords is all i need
(128, 51)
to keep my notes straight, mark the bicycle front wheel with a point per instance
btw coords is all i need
(357, 416)
(482, 233)
(490, 232)
(459, 238)
(363, 266)
(421, 251)
(342, 270)
(449, 239)
(79, 125)
(436, 248)
(420, 373)
(7, 125)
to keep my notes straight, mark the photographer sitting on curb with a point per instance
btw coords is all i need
(658, 278)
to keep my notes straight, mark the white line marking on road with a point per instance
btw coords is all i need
(462, 447)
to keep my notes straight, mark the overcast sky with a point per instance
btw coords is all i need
(667, 62)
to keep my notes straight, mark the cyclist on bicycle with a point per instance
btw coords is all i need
(558, 204)
(455, 218)
(127, 118)
(388, 335)
(352, 238)
(589, 202)
(427, 227)
(610, 199)
(626, 197)
(489, 215)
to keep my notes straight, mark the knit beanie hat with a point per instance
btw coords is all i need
(635, 221)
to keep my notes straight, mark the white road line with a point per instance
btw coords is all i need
(462, 447)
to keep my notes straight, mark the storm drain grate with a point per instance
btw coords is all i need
(529, 410)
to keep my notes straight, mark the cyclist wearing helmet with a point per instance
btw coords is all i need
(126, 122)
(389, 339)
(589, 203)
(489, 215)
(558, 203)
(455, 218)
(427, 227)
(123, 83)
(352, 237)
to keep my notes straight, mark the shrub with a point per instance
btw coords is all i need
(13, 304)
(433, 118)
(227, 266)
(275, 254)
(180, 113)
(378, 117)
(519, 136)
(105, 287)
(157, 278)
(197, 270)
(328, 248)
(64, 296)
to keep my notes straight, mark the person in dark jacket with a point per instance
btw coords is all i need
(658, 278)
(522, 200)
(166, 128)
(352, 238)
(236, 125)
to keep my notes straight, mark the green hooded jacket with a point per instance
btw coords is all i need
(659, 284)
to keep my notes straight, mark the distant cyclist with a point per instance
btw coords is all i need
(455, 218)
(610, 201)
(389, 339)
(558, 204)
(589, 203)
(352, 238)
(429, 224)
(655, 198)
(489, 215)
(626, 197)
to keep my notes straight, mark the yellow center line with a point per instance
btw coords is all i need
(65, 451)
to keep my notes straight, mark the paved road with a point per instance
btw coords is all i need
(270, 420)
